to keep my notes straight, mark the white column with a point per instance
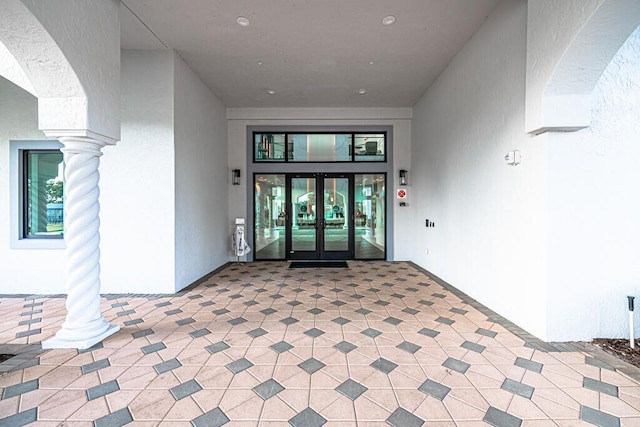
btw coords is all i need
(84, 325)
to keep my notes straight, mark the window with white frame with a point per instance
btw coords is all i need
(37, 195)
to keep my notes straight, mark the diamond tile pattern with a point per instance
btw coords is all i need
(376, 344)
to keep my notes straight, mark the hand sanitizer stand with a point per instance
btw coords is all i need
(239, 241)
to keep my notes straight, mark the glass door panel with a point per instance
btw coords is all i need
(302, 208)
(269, 216)
(336, 210)
(370, 216)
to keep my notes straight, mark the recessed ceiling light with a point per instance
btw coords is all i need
(242, 21)
(371, 62)
(259, 63)
(271, 91)
(387, 20)
(362, 91)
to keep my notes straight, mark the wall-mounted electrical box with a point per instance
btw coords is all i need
(512, 158)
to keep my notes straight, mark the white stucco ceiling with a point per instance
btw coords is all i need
(314, 53)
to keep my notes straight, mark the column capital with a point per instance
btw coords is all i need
(80, 134)
(81, 145)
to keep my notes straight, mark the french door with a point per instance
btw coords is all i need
(320, 216)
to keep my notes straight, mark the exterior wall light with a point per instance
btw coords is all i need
(235, 177)
(403, 177)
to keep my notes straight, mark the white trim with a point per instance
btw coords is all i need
(15, 196)
(307, 114)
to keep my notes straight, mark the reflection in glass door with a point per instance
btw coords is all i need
(269, 216)
(304, 222)
(335, 223)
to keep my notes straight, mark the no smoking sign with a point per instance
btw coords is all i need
(401, 193)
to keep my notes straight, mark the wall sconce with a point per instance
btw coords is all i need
(235, 177)
(403, 177)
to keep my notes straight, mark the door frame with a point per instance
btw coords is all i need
(246, 208)
(320, 253)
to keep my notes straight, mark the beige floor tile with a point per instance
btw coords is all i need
(553, 409)
(137, 377)
(183, 410)
(91, 411)
(367, 410)
(462, 411)
(60, 377)
(319, 399)
(298, 399)
(340, 409)
(525, 409)
(62, 405)
(275, 409)
(617, 407)
(151, 405)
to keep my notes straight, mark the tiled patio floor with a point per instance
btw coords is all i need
(260, 344)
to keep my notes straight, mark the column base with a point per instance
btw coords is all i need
(81, 343)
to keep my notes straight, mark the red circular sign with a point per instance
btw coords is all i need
(402, 194)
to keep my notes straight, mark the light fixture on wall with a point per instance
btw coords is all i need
(403, 177)
(235, 177)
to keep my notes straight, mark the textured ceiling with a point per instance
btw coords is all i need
(314, 53)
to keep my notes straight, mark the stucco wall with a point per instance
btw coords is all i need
(137, 181)
(594, 209)
(22, 270)
(490, 218)
(201, 175)
(399, 118)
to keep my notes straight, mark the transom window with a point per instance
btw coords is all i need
(319, 147)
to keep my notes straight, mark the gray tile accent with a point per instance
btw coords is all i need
(598, 363)
(428, 332)
(116, 419)
(436, 295)
(432, 388)
(456, 365)
(268, 311)
(116, 305)
(294, 303)
(102, 389)
(351, 389)
(167, 366)
(498, 418)
(307, 418)
(397, 295)
(199, 333)
(314, 332)
(281, 347)
(315, 311)
(20, 419)
(217, 347)
(345, 347)
(186, 321)
(408, 347)
(341, 321)
(473, 346)
(317, 296)
(403, 418)
(338, 303)
(95, 366)
(289, 321)
(425, 302)
(185, 389)
(529, 364)
(237, 321)
(29, 313)
(235, 296)
(598, 418)
(411, 311)
(363, 311)
(276, 296)
(30, 321)
(239, 365)
(257, 333)
(213, 418)
(382, 303)
(18, 389)
(311, 365)
(458, 311)
(133, 322)
(172, 312)
(384, 365)
(142, 333)
(412, 289)
(163, 304)
(220, 311)
(28, 333)
(268, 389)
(37, 304)
(392, 320)
(600, 386)
(126, 313)
(250, 303)
(153, 347)
(445, 321)
(486, 333)
(515, 387)
(371, 333)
